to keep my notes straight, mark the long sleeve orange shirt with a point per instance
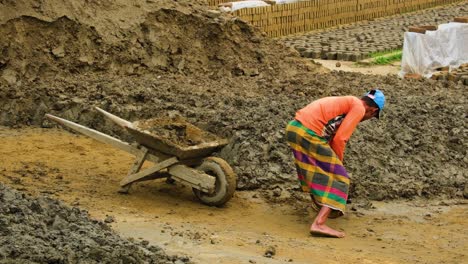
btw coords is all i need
(334, 119)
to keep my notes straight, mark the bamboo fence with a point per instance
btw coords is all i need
(286, 19)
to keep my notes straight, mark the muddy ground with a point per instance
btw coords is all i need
(417, 149)
(157, 58)
(44, 230)
(244, 87)
(85, 174)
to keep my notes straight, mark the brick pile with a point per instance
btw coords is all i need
(455, 75)
(358, 41)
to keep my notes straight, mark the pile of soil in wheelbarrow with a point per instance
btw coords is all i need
(44, 230)
(176, 130)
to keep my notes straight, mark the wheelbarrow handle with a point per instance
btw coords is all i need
(99, 136)
(119, 121)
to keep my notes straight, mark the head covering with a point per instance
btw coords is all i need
(378, 97)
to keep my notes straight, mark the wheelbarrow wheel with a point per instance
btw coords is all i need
(225, 185)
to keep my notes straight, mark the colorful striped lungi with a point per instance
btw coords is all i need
(320, 171)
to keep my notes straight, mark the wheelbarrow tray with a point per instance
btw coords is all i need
(161, 134)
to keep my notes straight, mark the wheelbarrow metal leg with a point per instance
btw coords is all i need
(138, 176)
(139, 160)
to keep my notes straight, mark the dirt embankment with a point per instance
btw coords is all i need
(165, 38)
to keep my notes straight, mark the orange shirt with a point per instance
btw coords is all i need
(333, 118)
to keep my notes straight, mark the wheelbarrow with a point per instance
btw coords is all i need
(188, 161)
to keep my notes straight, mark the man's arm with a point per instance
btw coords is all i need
(345, 130)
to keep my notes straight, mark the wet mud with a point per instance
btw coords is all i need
(176, 130)
(55, 233)
(84, 173)
(418, 148)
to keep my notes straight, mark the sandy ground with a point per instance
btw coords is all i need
(85, 173)
(350, 66)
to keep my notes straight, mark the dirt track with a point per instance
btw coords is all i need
(66, 59)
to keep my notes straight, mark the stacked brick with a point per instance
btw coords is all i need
(287, 19)
(459, 74)
(358, 41)
(456, 75)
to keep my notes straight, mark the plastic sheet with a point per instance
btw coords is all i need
(280, 2)
(446, 46)
(233, 6)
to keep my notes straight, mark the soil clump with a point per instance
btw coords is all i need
(175, 130)
(55, 233)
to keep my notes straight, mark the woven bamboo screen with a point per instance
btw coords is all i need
(286, 19)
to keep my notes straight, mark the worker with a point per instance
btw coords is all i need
(317, 137)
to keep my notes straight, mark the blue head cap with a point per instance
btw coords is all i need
(378, 97)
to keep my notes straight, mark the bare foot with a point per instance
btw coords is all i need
(325, 231)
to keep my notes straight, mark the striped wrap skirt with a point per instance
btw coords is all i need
(319, 170)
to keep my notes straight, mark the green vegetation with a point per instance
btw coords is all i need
(383, 58)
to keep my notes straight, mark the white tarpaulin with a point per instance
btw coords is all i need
(280, 2)
(233, 6)
(446, 46)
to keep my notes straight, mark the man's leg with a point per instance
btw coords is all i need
(319, 227)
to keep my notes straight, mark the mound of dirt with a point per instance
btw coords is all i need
(44, 41)
(43, 230)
